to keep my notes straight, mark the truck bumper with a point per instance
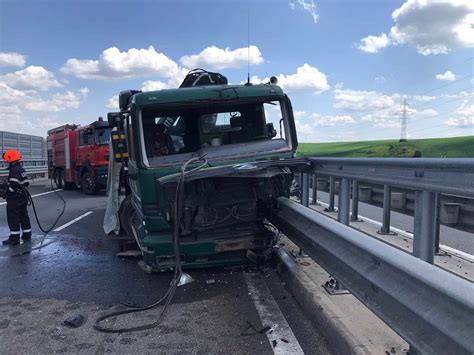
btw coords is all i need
(101, 175)
(204, 252)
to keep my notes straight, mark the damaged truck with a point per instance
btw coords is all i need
(204, 163)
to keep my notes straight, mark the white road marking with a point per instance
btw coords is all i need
(446, 248)
(270, 315)
(37, 195)
(72, 222)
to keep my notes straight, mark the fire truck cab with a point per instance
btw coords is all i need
(78, 156)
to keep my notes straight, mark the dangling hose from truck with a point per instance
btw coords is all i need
(168, 296)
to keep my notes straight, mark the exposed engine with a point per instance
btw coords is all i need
(229, 211)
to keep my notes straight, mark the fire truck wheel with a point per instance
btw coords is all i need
(88, 184)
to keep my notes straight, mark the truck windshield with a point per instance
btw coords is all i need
(209, 127)
(102, 136)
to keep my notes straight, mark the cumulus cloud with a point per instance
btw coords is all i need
(306, 79)
(465, 116)
(372, 44)
(30, 78)
(217, 58)
(448, 76)
(431, 26)
(304, 129)
(12, 59)
(113, 103)
(330, 120)
(114, 64)
(58, 102)
(361, 101)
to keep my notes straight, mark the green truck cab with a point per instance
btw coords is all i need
(240, 143)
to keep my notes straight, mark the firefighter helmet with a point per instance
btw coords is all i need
(11, 156)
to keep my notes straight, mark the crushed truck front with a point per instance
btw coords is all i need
(246, 134)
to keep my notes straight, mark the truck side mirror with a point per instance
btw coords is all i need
(113, 118)
(271, 131)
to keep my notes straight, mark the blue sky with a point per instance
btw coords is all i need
(347, 65)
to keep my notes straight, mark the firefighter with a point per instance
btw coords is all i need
(17, 201)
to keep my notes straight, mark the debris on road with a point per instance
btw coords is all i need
(75, 320)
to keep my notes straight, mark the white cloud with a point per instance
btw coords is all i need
(448, 76)
(11, 59)
(113, 103)
(153, 85)
(330, 120)
(305, 130)
(9, 95)
(292, 5)
(306, 79)
(216, 58)
(465, 116)
(309, 6)
(424, 98)
(32, 77)
(361, 101)
(431, 26)
(58, 102)
(339, 85)
(372, 44)
(380, 79)
(114, 64)
(460, 122)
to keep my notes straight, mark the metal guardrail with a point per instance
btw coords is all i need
(455, 212)
(432, 309)
(30, 170)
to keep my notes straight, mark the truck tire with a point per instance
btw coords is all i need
(126, 216)
(88, 184)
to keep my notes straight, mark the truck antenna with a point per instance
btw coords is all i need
(248, 43)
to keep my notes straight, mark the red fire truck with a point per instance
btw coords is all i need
(78, 156)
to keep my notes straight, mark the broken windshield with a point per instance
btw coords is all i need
(190, 129)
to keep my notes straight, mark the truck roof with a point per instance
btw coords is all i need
(204, 93)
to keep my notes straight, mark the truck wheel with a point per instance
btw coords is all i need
(88, 184)
(127, 216)
(59, 179)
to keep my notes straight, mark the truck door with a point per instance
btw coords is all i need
(85, 153)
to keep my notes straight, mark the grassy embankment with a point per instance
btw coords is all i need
(456, 147)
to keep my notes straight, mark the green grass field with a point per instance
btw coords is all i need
(456, 147)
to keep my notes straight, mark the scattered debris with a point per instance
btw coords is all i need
(252, 330)
(185, 279)
(210, 281)
(75, 320)
(130, 254)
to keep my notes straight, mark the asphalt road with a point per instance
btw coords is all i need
(451, 237)
(78, 270)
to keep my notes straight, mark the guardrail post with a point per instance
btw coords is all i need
(437, 222)
(305, 189)
(355, 200)
(331, 194)
(314, 192)
(344, 201)
(425, 226)
(385, 229)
